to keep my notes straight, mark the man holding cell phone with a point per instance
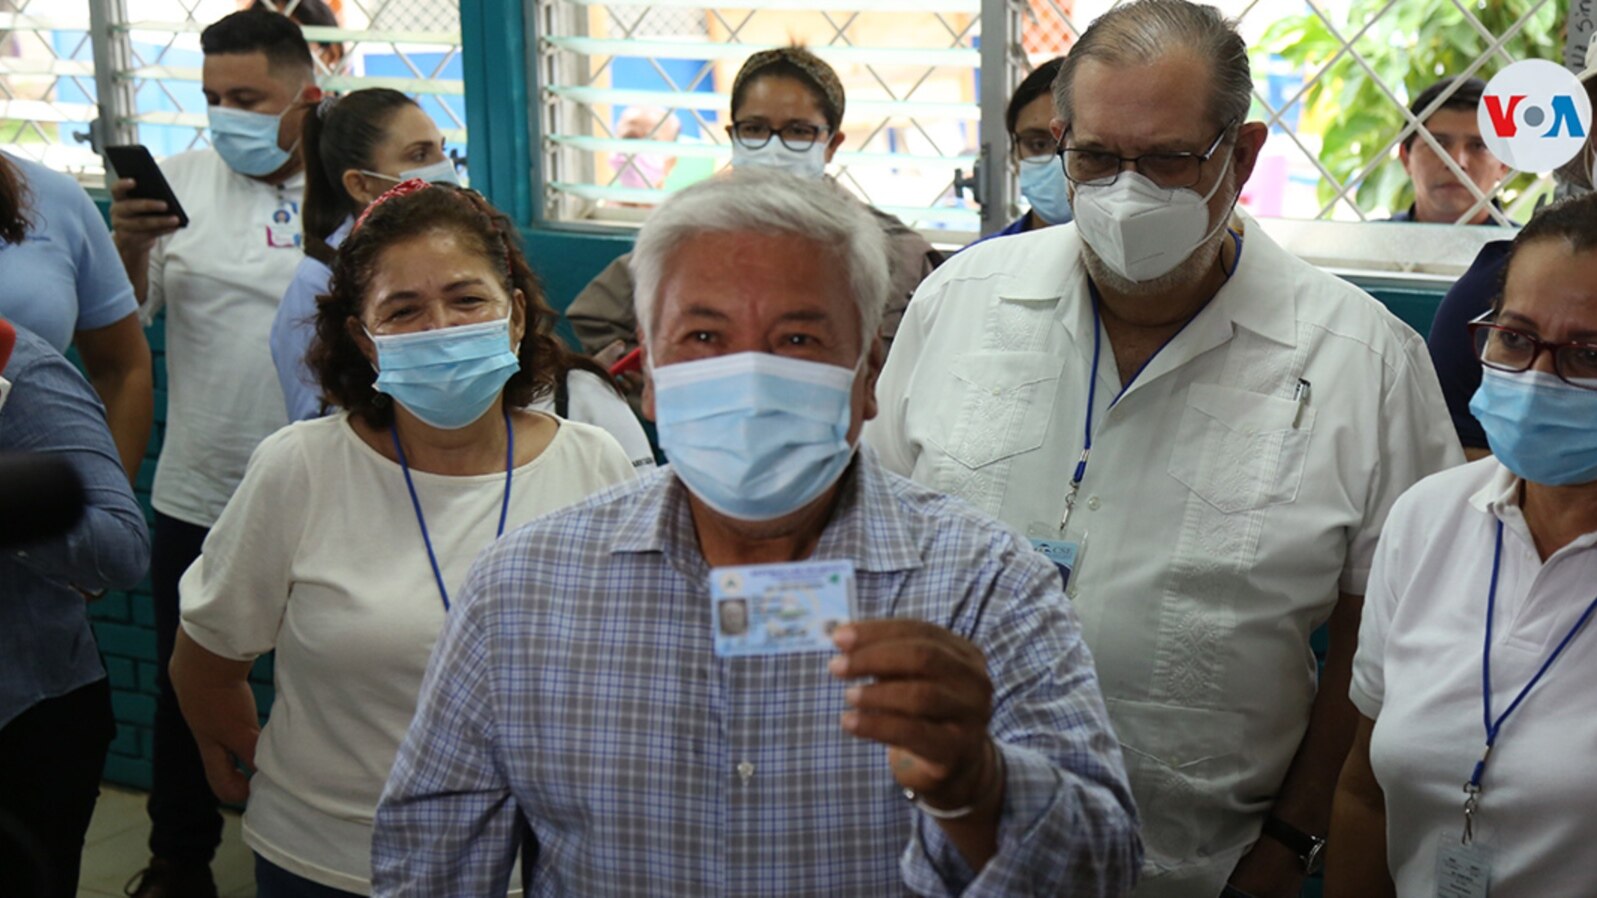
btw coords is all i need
(901, 701)
(220, 280)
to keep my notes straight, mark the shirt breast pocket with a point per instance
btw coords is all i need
(1240, 451)
(999, 405)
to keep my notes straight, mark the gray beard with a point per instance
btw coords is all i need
(1193, 269)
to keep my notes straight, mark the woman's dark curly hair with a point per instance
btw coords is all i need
(346, 376)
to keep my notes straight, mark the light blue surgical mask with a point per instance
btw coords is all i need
(1042, 183)
(1539, 427)
(441, 172)
(247, 141)
(810, 163)
(447, 377)
(755, 436)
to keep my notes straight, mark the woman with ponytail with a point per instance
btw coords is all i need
(356, 147)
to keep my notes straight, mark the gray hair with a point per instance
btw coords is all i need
(1145, 30)
(766, 201)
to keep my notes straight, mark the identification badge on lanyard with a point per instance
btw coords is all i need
(780, 609)
(1066, 554)
(1462, 870)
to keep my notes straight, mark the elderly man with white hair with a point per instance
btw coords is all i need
(1203, 431)
(586, 683)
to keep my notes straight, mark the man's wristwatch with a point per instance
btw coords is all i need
(1309, 849)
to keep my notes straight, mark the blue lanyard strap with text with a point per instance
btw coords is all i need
(1494, 727)
(1092, 380)
(415, 501)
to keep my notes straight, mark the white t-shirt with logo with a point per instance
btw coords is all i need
(220, 280)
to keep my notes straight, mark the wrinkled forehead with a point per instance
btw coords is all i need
(1158, 105)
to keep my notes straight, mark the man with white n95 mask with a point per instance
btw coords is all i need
(771, 668)
(1201, 431)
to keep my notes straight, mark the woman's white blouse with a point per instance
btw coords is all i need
(319, 556)
(1418, 675)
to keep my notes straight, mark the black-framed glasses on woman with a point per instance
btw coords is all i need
(1172, 171)
(796, 136)
(1511, 349)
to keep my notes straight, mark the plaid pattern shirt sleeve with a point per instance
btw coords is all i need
(576, 682)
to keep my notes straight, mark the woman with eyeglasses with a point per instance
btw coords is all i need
(356, 147)
(1471, 768)
(787, 113)
(350, 533)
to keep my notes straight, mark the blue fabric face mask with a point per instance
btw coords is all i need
(1539, 427)
(755, 436)
(447, 377)
(247, 141)
(1042, 183)
(441, 172)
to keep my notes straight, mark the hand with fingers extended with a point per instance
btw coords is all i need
(930, 702)
(136, 224)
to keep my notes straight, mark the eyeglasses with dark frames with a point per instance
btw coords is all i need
(796, 136)
(1099, 168)
(1510, 349)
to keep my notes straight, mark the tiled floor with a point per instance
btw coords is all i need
(117, 846)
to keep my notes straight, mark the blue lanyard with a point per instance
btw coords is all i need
(1092, 379)
(1494, 727)
(415, 502)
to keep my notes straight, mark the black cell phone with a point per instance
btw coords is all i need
(134, 161)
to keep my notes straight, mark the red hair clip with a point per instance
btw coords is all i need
(403, 188)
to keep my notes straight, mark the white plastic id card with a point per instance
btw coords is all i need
(780, 609)
(1462, 871)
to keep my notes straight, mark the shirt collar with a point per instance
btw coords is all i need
(866, 527)
(341, 233)
(1500, 492)
(1261, 295)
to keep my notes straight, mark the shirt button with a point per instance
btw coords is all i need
(1093, 503)
(745, 771)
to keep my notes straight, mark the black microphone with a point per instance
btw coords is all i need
(41, 497)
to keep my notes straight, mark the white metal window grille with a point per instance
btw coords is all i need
(47, 90)
(595, 60)
(133, 67)
(634, 100)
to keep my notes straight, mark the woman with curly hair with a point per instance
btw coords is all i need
(350, 533)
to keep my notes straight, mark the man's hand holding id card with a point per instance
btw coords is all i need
(780, 609)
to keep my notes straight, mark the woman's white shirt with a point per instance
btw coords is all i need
(319, 556)
(1418, 675)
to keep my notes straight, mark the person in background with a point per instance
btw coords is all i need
(787, 113)
(350, 533)
(310, 14)
(644, 763)
(55, 701)
(1471, 296)
(645, 171)
(1203, 431)
(1439, 196)
(1477, 624)
(1042, 177)
(219, 281)
(60, 278)
(356, 147)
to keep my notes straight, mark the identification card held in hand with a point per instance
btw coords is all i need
(780, 609)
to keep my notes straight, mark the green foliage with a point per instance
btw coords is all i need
(1409, 47)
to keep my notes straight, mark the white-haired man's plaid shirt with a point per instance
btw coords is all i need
(576, 683)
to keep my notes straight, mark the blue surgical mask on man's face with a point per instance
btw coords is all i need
(755, 436)
(1042, 183)
(1539, 427)
(247, 141)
